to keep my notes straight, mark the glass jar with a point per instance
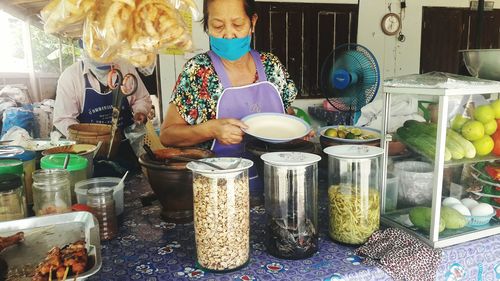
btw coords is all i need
(51, 193)
(77, 167)
(291, 201)
(221, 214)
(12, 201)
(100, 200)
(354, 175)
(28, 159)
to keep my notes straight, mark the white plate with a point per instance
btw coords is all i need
(364, 131)
(275, 127)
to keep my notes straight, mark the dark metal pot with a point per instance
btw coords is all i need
(172, 183)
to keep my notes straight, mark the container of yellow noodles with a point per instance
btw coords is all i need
(354, 176)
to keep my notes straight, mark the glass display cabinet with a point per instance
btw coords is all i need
(445, 179)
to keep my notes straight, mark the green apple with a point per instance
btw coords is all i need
(484, 145)
(490, 127)
(484, 113)
(496, 108)
(473, 130)
(458, 121)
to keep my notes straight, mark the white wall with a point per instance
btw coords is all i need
(395, 58)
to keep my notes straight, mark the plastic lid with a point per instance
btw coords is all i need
(353, 151)
(11, 166)
(9, 182)
(56, 161)
(17, 152)
(290, 158)
(223, 162)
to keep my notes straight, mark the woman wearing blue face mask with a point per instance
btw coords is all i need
(218, 88)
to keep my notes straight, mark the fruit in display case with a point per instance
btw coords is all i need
(484, 113)
(458, 122)
(484, 145)
(473, 130)
(490, 127)
(495, 105)
(421, 218)
(453, 219)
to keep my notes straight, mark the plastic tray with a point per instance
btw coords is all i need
(43, 233)
(479, 220)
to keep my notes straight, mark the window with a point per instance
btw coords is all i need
(46, 50)
(12, 54)
(302, 35)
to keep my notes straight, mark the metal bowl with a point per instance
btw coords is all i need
(483, 63)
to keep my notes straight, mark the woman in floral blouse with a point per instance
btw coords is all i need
(218, 88)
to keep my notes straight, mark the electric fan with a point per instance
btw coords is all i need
(350, 78)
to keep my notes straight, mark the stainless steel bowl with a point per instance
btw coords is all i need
(483, 63)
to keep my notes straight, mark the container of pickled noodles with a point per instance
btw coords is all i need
(354, 177)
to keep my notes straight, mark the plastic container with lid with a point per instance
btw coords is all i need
(12, 201)
(29, 165)
(11, 166)
(100, 200)
(291, 184)
(221, 214)
(354, 176)
(77, 167)
(51, 192)
(82, 187)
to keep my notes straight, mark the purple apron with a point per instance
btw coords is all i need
(98, 108)
(238, 102)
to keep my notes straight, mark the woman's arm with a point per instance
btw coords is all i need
(175, 131)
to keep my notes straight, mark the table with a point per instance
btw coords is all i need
(149, 249)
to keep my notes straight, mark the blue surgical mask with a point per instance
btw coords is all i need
(230, 49)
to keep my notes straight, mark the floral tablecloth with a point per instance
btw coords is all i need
(149, 249)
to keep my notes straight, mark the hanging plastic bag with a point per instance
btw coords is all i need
(135, 134)
(187, 5)
(66, 16)
(105, 28)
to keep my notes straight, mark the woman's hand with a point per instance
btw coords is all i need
(228, 131)
(310, 135)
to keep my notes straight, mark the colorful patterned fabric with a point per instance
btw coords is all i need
(198, 88)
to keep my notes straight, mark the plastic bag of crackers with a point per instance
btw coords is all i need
(66, 17)
(135, 30)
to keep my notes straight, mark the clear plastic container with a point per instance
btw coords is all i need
(415, 180)
(291, 200)
(77, 167)
(82, 187)
(12, 201)
(51, 192)
(221, 214)
(354, 179)
(100, 200)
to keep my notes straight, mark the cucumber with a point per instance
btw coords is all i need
(470, 150)
(454, 144)
(422, 142)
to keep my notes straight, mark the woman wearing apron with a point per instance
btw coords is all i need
(218, 88)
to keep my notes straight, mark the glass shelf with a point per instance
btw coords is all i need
(400, 219)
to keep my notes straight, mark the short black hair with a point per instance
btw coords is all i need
(249, 10)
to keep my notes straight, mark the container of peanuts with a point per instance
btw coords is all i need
(221, 213)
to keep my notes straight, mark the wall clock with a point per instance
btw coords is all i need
(391, 24)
